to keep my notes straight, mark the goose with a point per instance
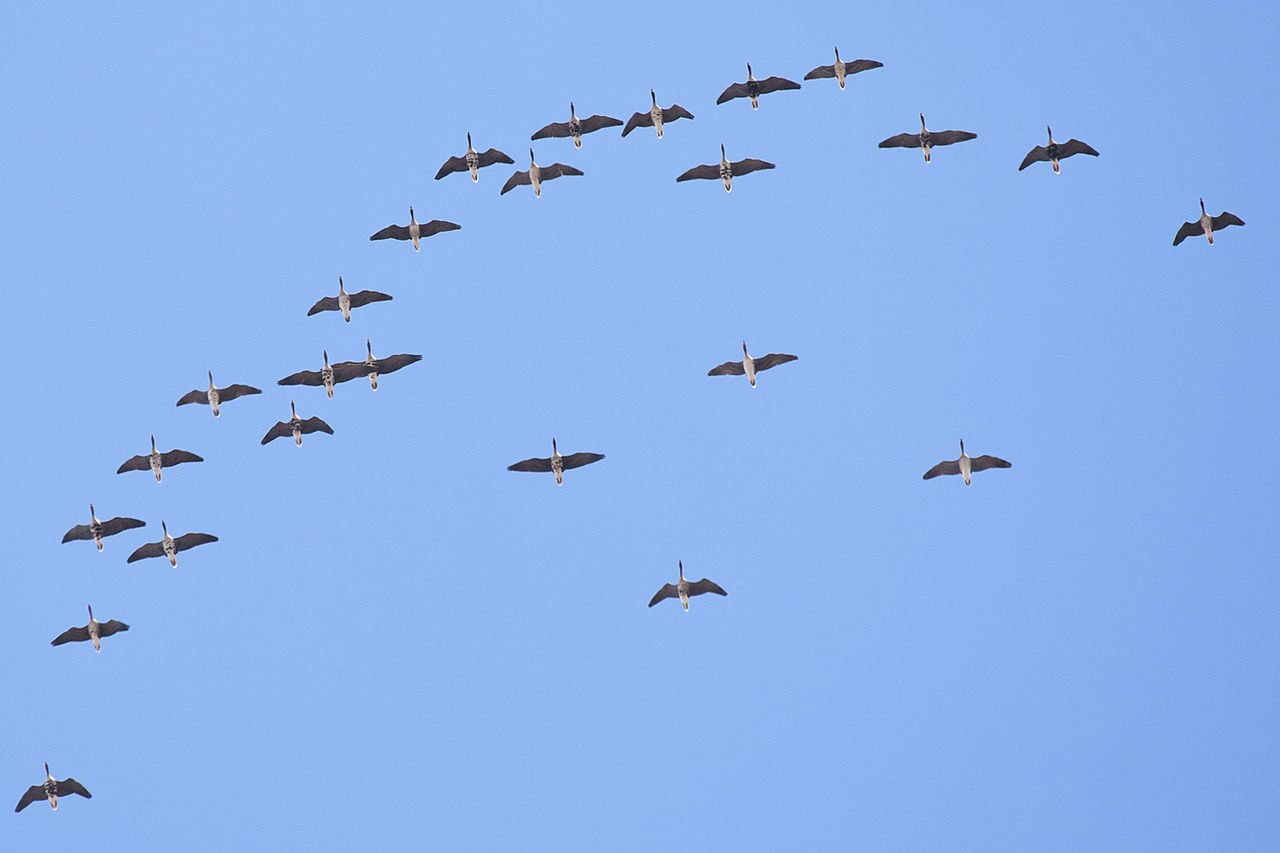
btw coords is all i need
(415, 230)
(725, 170)
(473, 161)
(536, 175)
(656, 116)
(1206, 225)
(155, 460)
(576, 127)
(754, 88)
(51, 789)
(296, 427)
(750, 366)
(840, 69)
(377, 366)
(328, 376)
(98, 530)
(95, 631)
(344, 301)
(214, 396)
(683, 589)
(169, 546)
(556, 464)
(1056, 151)
(927, 139)
(965, 465)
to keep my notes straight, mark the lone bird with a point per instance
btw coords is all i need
(656, 116)
(155, 460)
(213, 396)
(472, 161)
(329, 375)
(575, 127)
(344, 301)
(95, 631)
(377, 366)
(927, 139)
(51, 790)
(754, 88)
(536, 174)
(1055, 151)
(296, 427)
(840, 69)
(556, 463)
(683, 589)
(750, 366)
(965, 465)
(724, 170)
(169, 546)
(1206, 225)
(415, 230)
(98, 530)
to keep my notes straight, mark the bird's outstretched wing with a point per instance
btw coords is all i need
(667, 591)
(71, 786)
(177, 457)
(644, 119)
(674, 112)
(1188, 229)
(517, 179)
(555, 130)
(982, 463)
(196, 396)
(80, 531)
(776, 84)
(859, 65)
(329, 303)
(707, 173)
(119, 524)
(556, 170)
(577, 460)
(135, 463)
(33, 794)
(303, 377)
(951, 466)
(950, 137)
(1074, 146)
(735, 90)
(704, 585)
(902, 140)
(598, 122)
(280, 430)
(311, 425)
(773, 359)
(539, 465)
(71, 635)
(364, 297)
(1223, 219)
(749, 165)
(190, 540)
(1035, 155)
(111, 626)
(729, 368)
(435, 226)
(492, 156)
(392, 363)
(453, 164)
(392, 232)
(233, 391)
(345, 371)
(151, 549)
(822, 72)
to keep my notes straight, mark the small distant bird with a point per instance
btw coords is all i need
(840, 69)
(213, 396)
(344, 301)
(754, 88)
(683, 589)
(377, 366)
(556, 464)
(965, 465)
(1206, 225)
(656, 117)
(95, 631)
(51, 790)
(473, 161)
(155, 460)
(536, 174)
(725, 170)
(328, 376)
(169, 546)
(750, 366)
(576, 127)
(296, 427)
(415, 230)
(927, 139)
(1055, 151)
(98, 530)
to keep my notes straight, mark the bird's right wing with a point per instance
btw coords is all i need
(135, 463)
(196, 396)
(314, 424)
(556, 170)
(190, 540)
(982, 463)
(674, 112)
(517, 179)
(303, 377)
(577, 460)
(535, 464)
(177, 457)
(329, 303)
(33, 794)
(111, 626)
(749, 165)
(598, 122)
(453, 164)
(151, 549)
(80, 531)
(777, 84)
(902, 140)
(1188, 229)
(1223, 219)
(119, 524)
(821, 72)
(435, 226)
(1075, 146)
(280, 430)
(735, 90)
(233, 391)
(859, 65)
(345, 371)
(391, 232)
(704, 585)
(729, 368)
(773, 359)
(492, 156)
(364, 297)
(950, 137)
(644, 119)
(707, 173)
(392, 363)
(667, 591)
(71, 786)
(1035, 155)
(71, 635)
(949, 467)
(556, 130)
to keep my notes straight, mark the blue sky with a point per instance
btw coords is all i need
(396, 642)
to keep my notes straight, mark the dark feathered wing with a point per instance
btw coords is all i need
(1188, 229)
(303, 377)
(1222, 220)
(111, 626)
(822, 72)
(329, 303)
(858, 66)
(949, 467)
(196, 396)
(80, 531)
(674, 112)
(902, 140)
(71, 786)
(311, 425)
(1035, 155)
(34, 794)
(577, 460)
(598, 122)
(280, 430)
(365, 297)
(704, 585)
(517, 179)
(776, 84)
(491, 157)
(773, 359)
(144, 552)
(982, 463)
(950, 137)
(436, 226)
(177, 457)
(71, 635)
(729, 368)
(347, 370)
(555, 130)
(135, 463)
(392, 232)
(233, 391)
(392, 363)
(453, 164)
(190, 540)
(119, 524)
(1074, 146)
(644, 119)
(735, 90)
(556, 170)
(668, 591)
(749, 165)
(707, 173)
(535, 464)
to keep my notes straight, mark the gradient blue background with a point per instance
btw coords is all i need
(397, 644)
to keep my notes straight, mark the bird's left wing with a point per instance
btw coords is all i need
(345, 371)
(773, 359)
(364, 297)
(71, 635)
(674, 112)
(313, 424)
(517, 179)
(435, 226)
(71, 786)
(135, 463)
(729, 368)
(735, 90)
(1222, 220)
(538, 465)
(822, 71)
(111, 626)
(1075, 146)
(948, 467)
(453, 164)
(577, 460)
(950, 137)
(749, 165)
(151, 549)
(644, 119)
(777, 84)
(1035, 155)
(237, 390)
(177, 457)
(667, 591)
(492, 156)
(1188, 229)
(556, 170)
(329, 303)
(705, 585)
(33, 794)
(554, 130)
(302, 377)
(392, 363)
(982, 463)
(598, 122)
(902, 140)
(392, 232)
(190, 540)
(707, 173)
(112, 526)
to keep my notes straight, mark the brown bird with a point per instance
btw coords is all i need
(213, 396)
(536, 174)
(683, 589)
(927, 139)
(754, 88)
(965, 465)
(155, 460)
(329, 375)
(344, 301)
(472, 161)
(1206, 225)
(556, 463)
(656, 116)
(840, 69)
(576, 127)
(1055, 151)
(724, 170)
(51, 790)
(750, 366)
(95, 631)
(169, 546)
(377, 366)
(97, 530)
(415, 231)
(296, 427)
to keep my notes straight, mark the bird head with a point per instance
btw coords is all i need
(962, 447)
(92, 514)
(748, 70)
(553, 446)
(293, 409)
(46, 770)
(680, 568)
(468, 139)
(340, 285)
(411, 213)
(368, 347)
(326, 358)
(571, 112)
(153, 443)
(653, 97)
(722, 151)
(744, 347)
(210, 378)
(922, 125)
(164, 527)
(1202, 205)
(91, 612)
(1050, 129)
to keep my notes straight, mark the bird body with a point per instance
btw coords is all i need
(927, 139)
(684, 588)
(415, 231)
(725, 170)
(556, 463)
(51, 789)
(1055, 152)
(656, 116)
(840, 70)
(1206, 225)
(97, 530)
(750, 366)
(214, 396)
(754, 88)
(94, 631)
(965, 466)
(155, 460)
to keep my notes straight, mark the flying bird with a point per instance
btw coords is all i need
(1206, 225)
(95, 631)
(473, 161)
(155, 460)
(536, 174)
(1056, 151)
(329, 375)
(965, 465)
(927, 139)
(556, 463)
(724, 170)
(98, 530)
(754, 88)
(415, 230)
(840, 69)
(213, 396)
(750, 366)
(169, 546)
(576, 127)
(684, 589)
(378, 366)
(656, 116)
(51, 790)
(344, 301)
(296, 427)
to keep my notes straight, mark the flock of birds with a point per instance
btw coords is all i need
(330, 375)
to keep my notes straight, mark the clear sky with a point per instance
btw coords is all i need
(397, 644)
